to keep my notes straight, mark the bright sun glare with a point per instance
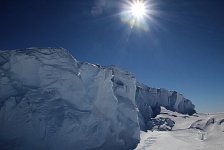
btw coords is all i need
(138, 13)
(138, 9)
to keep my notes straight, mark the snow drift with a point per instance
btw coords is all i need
(190, 132)
(49, 100)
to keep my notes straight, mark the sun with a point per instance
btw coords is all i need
(138, 9)
(138, 13)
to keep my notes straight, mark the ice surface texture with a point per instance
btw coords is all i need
(149, 102)
(49, 100)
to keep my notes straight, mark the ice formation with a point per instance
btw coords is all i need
(149, 102)
(49, 100)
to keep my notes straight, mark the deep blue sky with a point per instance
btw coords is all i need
(183, 51)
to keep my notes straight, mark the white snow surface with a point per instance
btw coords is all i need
(49, 100)
(196, 132)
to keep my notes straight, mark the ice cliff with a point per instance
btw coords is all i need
(149, 102)
(49, 100)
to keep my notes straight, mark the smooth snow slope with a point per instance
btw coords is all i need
(49, 100)
(197, 132)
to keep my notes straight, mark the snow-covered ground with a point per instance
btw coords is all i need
(197, 132)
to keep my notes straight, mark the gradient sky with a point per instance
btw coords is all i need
(183, 49)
